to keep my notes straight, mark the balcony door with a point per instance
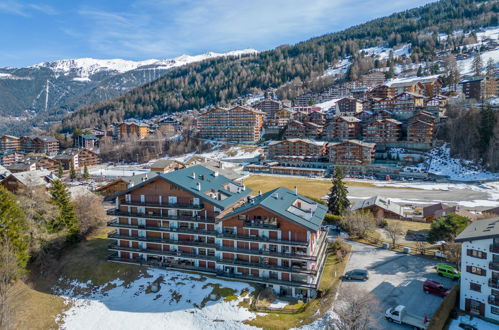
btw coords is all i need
(172, 199)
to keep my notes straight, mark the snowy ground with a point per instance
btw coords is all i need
(175, 306)
(476, 322)
(438, 161)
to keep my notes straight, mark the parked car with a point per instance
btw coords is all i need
(448, 271)
(357, 274)
(400, 315)
(435, 288)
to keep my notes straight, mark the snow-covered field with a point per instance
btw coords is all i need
(177, 304)
(439, 161)
(476, 322)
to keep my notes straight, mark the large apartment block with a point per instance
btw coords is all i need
(196, 219)
(297, 149)
(383, 131)
(351, 152)
(238, 124)
(480, 268)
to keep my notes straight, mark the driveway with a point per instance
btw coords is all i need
(396, 279)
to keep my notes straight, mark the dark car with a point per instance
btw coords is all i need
(435, 288)
(357, 274)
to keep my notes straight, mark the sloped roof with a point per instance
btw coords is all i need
(480, 229)
(162, 163)
(209, 181)
(384, 203)
(431, 209)
(34, 178)
(280, 201)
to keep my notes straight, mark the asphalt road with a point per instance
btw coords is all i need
(396, 279)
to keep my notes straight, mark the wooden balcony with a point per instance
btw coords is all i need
(268, 253)
(116, 235)
(178, 254)
(159, 217)
(180, 206)
(263, 265)
(255, 238)
(180, 230)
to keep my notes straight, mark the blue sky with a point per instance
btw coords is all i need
(37, 31)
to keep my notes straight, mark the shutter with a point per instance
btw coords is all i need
(469, 252)
(484, 255)
(482, 309)
(468, 269)
(467, 305)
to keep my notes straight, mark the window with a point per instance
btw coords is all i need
(494, 310)
(476, 270)
(477, 254)
(475, 287)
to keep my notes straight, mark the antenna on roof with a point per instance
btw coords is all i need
(193, 175)
(296, 191)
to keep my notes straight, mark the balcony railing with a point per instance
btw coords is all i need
(263, 265)
(159, 217)
(186, 206)
(115, 235)
(494, 300)
(261, 224)
(229, 235)
(165, 253)
(179, 266)
(181, 230)
(494, 283)
(267, 253)
(494, 248)
(494, 265)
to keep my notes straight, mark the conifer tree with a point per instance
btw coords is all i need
(491, 68)
(60, 170)
(477, 65)
(66, 217)
(338, 202)
(13, 226)
(72, 172)
(86, 175)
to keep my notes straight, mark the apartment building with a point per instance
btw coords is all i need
(343, 128)
(298, 150)
(9, 142)
(238, 124)
(132, 129)
(373, 79)
(10, 157)
(295, 129)
(87, 141)
(402, 105)
(268, 106)
(351, 152)
(317, 117)
(479, 293)
(421, 128)
(348, 106)
(380, 92)
(414, 87)
(479, 88)
(195, 219)
(313, 130)
(88, 158)
(382, 131)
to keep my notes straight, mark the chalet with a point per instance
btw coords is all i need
(436, 105)
(132, 129)
(348, 107)
(343, 128)
(313, 130)
(9, 142)
(88, 158)
(414, 87)
(317, 117)
(16, 181)
(295, 129)
(380, 92)
(166, 165)
(46, 145)
(300, 150)
(10, 157)
(121, 184)
(195, 219)
(351, 152)
(381, 208)
(46, 163)
(382, 131)
(24, 166)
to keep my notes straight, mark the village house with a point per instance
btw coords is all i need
(381, 208)
(351, 152)
(343, 128)
(10, 157)
(87, 158)
(28, 179)
(197, 220)
(166, 165)
(317, 117)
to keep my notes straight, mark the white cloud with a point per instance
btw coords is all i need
(15, 7)
(164, 28)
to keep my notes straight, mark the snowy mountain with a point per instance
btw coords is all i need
(61, 86)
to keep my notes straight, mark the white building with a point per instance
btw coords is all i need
(480, 268)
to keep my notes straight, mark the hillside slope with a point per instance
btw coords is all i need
(221, 80)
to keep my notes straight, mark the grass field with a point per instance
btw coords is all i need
(315, 188)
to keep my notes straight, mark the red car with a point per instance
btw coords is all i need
(436, 288)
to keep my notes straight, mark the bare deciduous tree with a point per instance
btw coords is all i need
(355, 309)
(453, 252)
(421, 247)
(394, 232)
(359, 223)
(90, 212)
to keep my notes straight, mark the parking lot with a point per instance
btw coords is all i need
(396, 279)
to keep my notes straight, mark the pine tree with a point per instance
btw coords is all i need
(491, 68)
(14, 226)
(477, 65)
(487, 124)
(338, 202)
(66, 217)
(60, 170)
(72, 172)
(86, 175)
(420, 71)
